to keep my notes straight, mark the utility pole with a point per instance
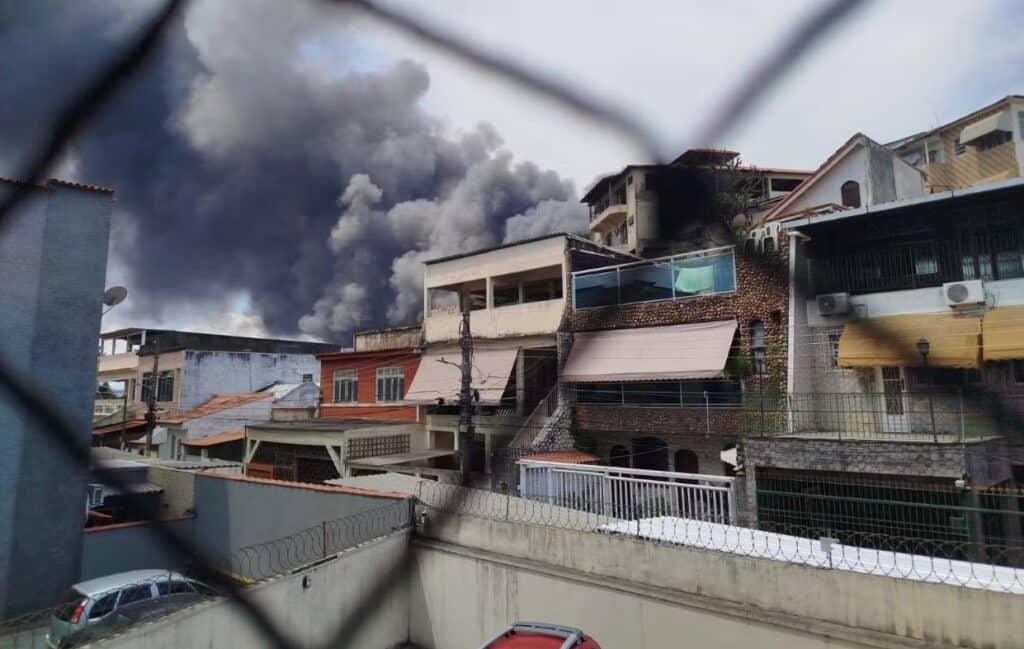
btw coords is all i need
(154, 387)
(465, 391)
(124, 413)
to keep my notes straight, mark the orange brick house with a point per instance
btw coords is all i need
(368, 384)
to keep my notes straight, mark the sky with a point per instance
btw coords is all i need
(285, 168)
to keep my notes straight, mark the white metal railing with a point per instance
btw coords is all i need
(629, 493)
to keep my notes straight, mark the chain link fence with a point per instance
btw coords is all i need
(260, 562)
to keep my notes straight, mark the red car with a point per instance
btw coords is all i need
(538, 635)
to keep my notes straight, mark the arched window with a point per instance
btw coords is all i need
(686, 461)
(757, 349)
(619, 456)
(650, 453)
(850, 192)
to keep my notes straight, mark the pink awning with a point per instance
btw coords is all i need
(439, 376)
(690, 351)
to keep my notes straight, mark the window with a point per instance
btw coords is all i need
(833, 350)
(850, 192)
(959, 148)
(1020, 123)
(165, 386)
(173, 588)
(992, 140)
(307, 378)
(1018, 371)
(103, 606)
(345, 382)
(390, 384)
(935, 152)
(505, 295)
(757, 347)
(545, 289)
(784, 184)
(135, 594)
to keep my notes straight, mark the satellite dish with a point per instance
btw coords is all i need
(114, 296)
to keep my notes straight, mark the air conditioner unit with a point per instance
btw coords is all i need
(969, 293)
(95, 495)
(833, 303)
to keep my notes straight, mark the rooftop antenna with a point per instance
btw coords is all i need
(114, 296)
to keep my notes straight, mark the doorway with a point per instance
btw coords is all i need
(893, 388)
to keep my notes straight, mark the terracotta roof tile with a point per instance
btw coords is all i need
(219, 402)
(213, 440)
(131, 425)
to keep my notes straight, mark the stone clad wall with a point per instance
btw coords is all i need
(762, 294)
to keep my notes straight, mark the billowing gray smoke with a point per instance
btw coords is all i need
(243, 163)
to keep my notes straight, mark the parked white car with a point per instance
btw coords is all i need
(90, 602)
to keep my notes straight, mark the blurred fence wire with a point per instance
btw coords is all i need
(258, 562)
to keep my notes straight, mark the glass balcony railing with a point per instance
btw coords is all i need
(706, 272)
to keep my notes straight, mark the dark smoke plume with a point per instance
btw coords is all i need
(245, 165)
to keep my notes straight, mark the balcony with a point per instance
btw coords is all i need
(702, 273)
(941, 418)
(843, 264)
(532, 318)
(125, 361)
(609, 218)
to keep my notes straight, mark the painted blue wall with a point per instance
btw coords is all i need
(53, 260)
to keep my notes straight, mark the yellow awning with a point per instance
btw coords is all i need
(954, 341)
(1003, 334)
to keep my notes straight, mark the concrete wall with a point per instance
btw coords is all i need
(233, 513)
(131, 546)
(53, 259)
(637, 594)
(206, 373)
(393, 338)
(179, 496)
(308, 617)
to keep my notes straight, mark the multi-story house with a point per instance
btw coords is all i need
(662, 357)
(516, 296)
(364, 422)
(984, 146)
(193, 367)
(906, 383)
(118, 364)
(653, 210)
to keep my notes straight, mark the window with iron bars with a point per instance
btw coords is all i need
(345, 383)
(842, 263)
(390, 384)
(165, 386)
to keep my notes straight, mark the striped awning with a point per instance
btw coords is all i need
(1002, 334)
(439, 375)
(689, 351)
(953, 341)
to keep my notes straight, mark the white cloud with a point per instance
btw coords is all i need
(893, 69)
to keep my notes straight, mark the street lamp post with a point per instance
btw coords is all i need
(923, 347)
